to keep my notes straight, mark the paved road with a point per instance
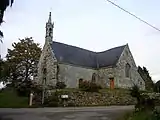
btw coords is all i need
(85, 113)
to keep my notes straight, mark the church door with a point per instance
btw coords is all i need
(111, 83)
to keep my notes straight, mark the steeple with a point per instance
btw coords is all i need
(49, 29)
(50, 18)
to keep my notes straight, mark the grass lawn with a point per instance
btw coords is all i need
(9, 99)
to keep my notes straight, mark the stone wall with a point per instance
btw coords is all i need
(48, 61)
(135, 78)
(71, 74)
(81, 98)
(118, 73)
(104, 74)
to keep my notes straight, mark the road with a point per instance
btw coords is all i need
(83, 113)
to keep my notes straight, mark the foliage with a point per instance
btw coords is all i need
(135, 92)
(3, 6)
(142, 115)
(26, 87)
(60, 85)
(149, 85)
(144, 101)
(9, 99)
(22, 60)
(89, 86)
(4, 71)
(52, 101)
(155, 115)
(157, 87)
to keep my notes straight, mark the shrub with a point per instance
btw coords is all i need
(52, 101)
(89, 86)
(26, 87)
(60, 85)
(155, 115)
(144, 101)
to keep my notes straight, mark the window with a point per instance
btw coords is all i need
(94, 77)
(50, 31)
(127, 70)
(44, 71)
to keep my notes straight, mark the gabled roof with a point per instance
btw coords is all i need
(82, 57)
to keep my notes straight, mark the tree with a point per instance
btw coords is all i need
(157, 86)
(4, 71)
(3, 6)
(144, 73)
(23, 60)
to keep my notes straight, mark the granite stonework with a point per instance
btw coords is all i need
(104, 74)
(48, 61)
(120, 78)
(71, 73)
(118, 73)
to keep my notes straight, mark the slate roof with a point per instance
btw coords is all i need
(82, 57)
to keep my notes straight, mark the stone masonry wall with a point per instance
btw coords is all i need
(101, 98)
(48, 61)
(104, 74)
(71, 74)
(135, 78)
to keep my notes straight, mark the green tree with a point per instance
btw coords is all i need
(144, 73)
(23, 60)
(3, 6)
(157, 86)
(4, 71)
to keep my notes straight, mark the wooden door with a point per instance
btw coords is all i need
(111, 83)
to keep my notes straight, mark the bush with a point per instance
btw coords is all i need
(155, 115)
(89, 86)
(60, 85)
(144, 101)
(52, 101)
(26, 87)
(142, 115)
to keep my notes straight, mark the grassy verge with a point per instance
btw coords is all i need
(143, 115)
(9, 99)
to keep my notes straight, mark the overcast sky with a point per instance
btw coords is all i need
(91, 24)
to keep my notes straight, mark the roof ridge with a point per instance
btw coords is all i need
(90, 50)
(111, 49)
(75, 47)
(73, 55)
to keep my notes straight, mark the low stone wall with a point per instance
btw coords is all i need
(81, 98)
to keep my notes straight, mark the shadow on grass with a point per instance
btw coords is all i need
(9, 99)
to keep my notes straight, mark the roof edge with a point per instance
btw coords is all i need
(87, 49)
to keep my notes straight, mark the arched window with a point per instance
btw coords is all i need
(50, 31)
(93, 77)
(127, 70)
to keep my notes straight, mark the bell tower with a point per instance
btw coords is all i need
(49, 30)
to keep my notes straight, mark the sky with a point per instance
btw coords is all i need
(95, 25)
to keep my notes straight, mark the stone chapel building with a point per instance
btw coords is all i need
(114, 68)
